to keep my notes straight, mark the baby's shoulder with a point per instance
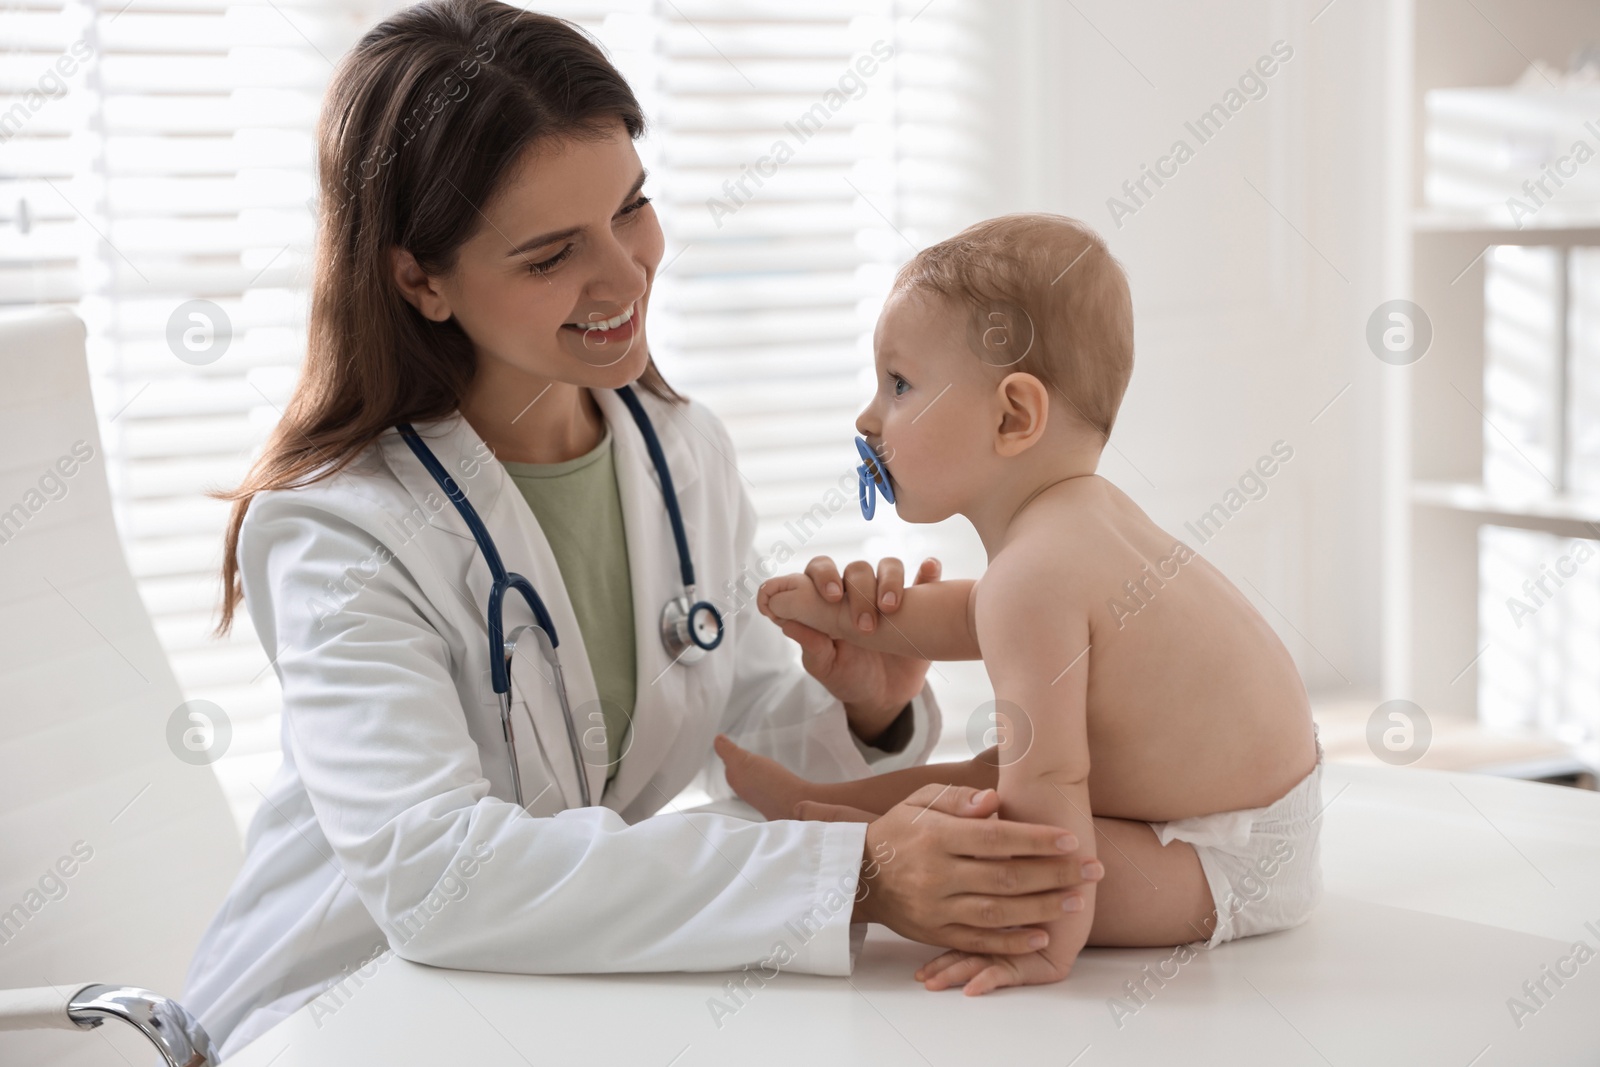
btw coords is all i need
(1068, 543)
(1037, 567)
(1030, 603)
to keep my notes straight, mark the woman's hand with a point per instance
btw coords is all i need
(869, 596)
(938, 870)
(873, 686)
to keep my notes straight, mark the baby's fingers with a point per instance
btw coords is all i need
(988, 979)
(939, 963)
(958, 973)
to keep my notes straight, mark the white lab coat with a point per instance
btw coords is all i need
(391, 823)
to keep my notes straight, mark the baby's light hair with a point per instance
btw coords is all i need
(1047, 297)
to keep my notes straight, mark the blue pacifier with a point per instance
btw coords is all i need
(874, 477)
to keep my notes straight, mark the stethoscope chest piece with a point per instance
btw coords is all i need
(873, 478)
(690, 628)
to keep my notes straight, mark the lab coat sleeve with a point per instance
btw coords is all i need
(458, 878)
(777, 709)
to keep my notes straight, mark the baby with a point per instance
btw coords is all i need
(1141, 700)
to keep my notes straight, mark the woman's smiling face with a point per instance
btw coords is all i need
(568, 244)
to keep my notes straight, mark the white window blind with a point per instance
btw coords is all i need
(45, 110)
(178, 166)
(175, 165)
(808, 150)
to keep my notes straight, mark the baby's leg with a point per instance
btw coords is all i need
(878, 793)
(1152, 894)
(774, 790)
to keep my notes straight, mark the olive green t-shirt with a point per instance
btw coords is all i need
(580, 512)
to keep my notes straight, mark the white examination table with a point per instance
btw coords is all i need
(1445, 893)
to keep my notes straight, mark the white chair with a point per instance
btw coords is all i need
(114, 853)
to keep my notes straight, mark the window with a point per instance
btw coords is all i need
(174, 163)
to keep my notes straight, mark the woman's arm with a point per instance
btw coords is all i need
(376, 726)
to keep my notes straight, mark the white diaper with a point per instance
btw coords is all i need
(1263, 864)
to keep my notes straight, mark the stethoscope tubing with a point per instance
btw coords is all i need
(500, 649)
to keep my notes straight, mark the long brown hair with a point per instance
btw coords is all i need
(422, 121)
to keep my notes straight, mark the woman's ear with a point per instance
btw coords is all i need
(1024, 410)
(421, 291)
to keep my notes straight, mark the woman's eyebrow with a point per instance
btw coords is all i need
(562, 235)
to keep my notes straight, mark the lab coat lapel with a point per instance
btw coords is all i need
(663, 690)
(463, 455)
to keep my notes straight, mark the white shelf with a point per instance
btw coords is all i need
(1551, 226)
(1567, 515)
(1457, 745)
(1533, 769)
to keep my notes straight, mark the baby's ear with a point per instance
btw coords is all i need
(1024, 405)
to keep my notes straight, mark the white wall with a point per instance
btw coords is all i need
(1249, 314)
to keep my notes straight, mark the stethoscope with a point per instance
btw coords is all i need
(689, 628)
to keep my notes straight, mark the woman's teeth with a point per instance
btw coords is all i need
(605, 324)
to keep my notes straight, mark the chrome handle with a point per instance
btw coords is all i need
(165, 1023)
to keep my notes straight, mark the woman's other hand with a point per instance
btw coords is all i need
(937, 869)
(870, 596)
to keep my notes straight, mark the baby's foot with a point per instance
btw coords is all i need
(764, 784)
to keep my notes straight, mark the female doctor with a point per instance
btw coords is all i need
(482, 280)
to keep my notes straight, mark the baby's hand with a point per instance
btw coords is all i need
(793, 598)
(983, 973)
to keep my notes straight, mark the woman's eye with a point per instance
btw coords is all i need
(555, 260)
(550, 264)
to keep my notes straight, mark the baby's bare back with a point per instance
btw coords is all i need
(1193, 705)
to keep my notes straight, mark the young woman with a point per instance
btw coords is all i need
(483, 275)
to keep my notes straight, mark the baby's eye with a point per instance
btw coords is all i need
(897, 382)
